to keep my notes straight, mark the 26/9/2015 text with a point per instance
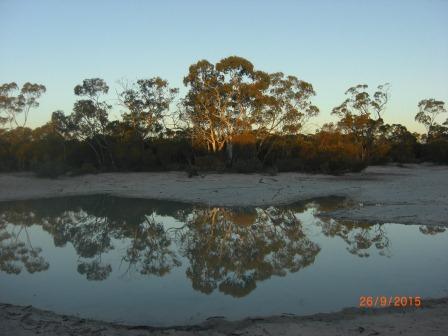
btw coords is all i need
(389, 301)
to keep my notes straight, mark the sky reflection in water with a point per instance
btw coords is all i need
(157, 262)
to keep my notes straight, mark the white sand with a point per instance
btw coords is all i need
(415, 194)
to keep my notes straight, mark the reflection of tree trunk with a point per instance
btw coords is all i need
(229, 150)
(213, 214)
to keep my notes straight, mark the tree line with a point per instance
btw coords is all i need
(233, 117)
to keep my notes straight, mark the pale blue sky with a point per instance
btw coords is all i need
(332, 44)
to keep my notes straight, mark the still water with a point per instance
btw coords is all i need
(162, 263)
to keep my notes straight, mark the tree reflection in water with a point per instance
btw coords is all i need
(431, 230)
(150, 250)
(358, 236)
(233, 249)
(16, 249)
(225, 249)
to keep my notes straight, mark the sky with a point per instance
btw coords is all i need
(331, 44)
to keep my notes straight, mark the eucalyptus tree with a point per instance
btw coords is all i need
(361, 114)
(360, 102)
(15, 103)
(223, 100)
(429, 110)
(402, 143)
(286, 108)
(147, 102)
(232, 98)
(89, 120)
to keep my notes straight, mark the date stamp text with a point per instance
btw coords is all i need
(389, 301)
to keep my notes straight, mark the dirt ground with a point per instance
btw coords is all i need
(430, 319)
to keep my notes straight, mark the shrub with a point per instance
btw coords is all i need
(50, 169)
(247, 166)
(340, 165)
(150, 161)
(210, 162)
(436, 151)
(290, 165)
(86, 168)
(244, 146)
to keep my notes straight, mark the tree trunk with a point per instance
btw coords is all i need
(229, 150)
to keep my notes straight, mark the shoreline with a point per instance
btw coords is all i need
(430, 319)
(412, 194)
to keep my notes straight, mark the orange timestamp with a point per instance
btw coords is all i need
(390, 301)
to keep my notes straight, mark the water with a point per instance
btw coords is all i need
(162, 263)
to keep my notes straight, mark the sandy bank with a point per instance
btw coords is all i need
(427, 320)
(414, 194)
